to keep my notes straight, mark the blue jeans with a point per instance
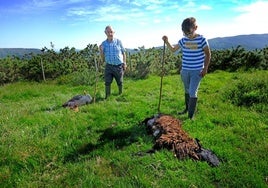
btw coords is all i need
(191, 80)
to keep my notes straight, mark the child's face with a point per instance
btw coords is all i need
(190, 33)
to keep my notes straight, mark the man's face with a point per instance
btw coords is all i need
(109, 32)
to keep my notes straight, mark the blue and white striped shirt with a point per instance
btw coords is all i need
(113, 51)
(192, 52)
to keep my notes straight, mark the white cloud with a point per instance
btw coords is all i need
(140, 12)
(255, 13)
(43, 3)
(253, 18)
(204, 7)
(79, 12)
(152, 7)
(249, 19)
(192, 7)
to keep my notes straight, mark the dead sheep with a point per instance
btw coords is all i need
(78, 100)
(169, 134)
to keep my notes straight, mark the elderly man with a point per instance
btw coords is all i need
(113, 54)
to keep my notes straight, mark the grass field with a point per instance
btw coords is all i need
(45, 145)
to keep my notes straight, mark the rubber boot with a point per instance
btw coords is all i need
(107, 91)
(186, 98)
(120, 89)
(192, 106)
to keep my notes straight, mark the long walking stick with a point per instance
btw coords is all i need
(162, 75)
(96, 78)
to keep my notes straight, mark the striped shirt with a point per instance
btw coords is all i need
(192, 52)
(113, 51)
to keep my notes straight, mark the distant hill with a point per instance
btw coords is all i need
(248, 42)
(18, 52)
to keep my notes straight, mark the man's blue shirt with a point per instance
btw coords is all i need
(113, 51)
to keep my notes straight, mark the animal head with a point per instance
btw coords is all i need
(74, 108)
(151, 125)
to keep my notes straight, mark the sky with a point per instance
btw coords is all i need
(137, 23)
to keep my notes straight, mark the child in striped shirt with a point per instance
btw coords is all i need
(195, 60)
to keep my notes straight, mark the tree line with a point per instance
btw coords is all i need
(83, 66)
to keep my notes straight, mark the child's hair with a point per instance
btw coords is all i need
(188, 25)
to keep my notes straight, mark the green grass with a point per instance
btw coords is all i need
(45, 145)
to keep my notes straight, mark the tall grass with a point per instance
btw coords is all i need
(45, 145)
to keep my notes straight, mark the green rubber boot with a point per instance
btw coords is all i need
(120, 89)
(192, 106)
(107, 91)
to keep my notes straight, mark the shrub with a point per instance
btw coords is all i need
(249, 91)
(78, 78)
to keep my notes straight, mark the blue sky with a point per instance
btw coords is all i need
(77, 23)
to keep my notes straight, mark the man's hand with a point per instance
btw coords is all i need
(100, 48)
(124, 66)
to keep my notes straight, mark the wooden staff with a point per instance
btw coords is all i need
(162, 75)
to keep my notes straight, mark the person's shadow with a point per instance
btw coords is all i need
(119, 136)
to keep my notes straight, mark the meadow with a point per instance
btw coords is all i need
(45, 145)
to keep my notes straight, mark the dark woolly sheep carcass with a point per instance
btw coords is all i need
(168, 133)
